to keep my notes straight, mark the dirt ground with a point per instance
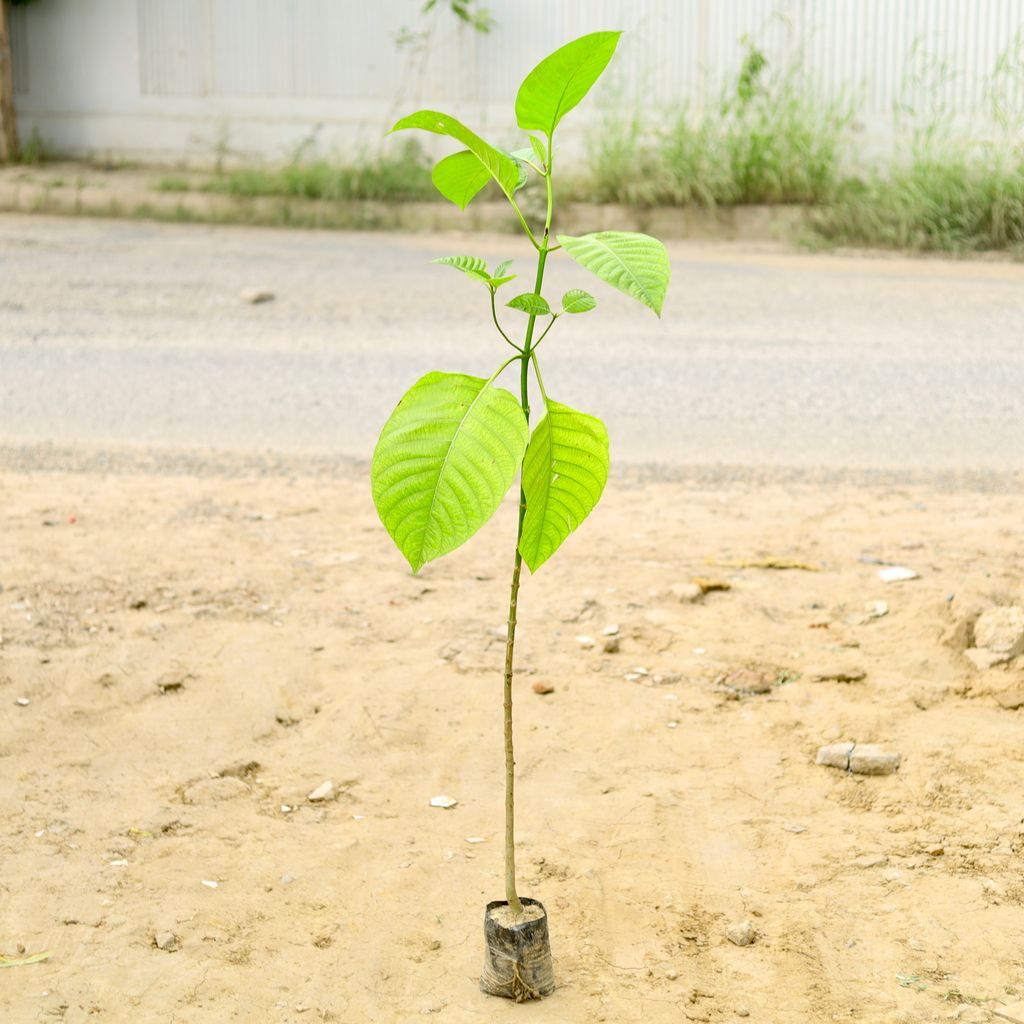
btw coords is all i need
(185, 658)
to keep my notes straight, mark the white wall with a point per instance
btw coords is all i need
(178, 79)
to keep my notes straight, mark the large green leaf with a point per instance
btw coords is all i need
(444, 461)
(562, 79)
(635, 264)
(502, 168)
(564, 473)
(460, 177)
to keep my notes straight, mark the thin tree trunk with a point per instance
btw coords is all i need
(8, 125)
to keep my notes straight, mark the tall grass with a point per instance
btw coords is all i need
(400, 174)
(768, 139)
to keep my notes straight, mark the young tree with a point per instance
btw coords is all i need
(455, 443)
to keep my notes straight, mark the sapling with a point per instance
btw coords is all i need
(455, 443)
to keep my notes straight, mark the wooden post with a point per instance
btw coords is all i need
(8, 125)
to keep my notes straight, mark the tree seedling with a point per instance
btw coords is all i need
(455, 443)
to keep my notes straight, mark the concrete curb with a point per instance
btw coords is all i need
(75, 190)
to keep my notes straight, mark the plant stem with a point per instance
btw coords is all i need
(511, 896)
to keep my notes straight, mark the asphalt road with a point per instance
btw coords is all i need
(130, 332)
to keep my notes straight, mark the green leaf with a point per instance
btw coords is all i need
(578, 301)
(538, 149)
(562, 79)
(444, 461)
(24, 961)
(564, 473)
(532, 303)
(504, 170)
(500, 269)
(635, 264)
(460, 177)
(497, 282)
(467, 264)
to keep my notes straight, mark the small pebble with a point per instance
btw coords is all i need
(287, 879)
(23, 702)
(209, 884)
(167, 941)
(610, 631)
(869, 860)
(322, 792)
(542, 688)
(442, 801)
(586, 642)
(475, 839)
(686, 593)
(255, 296)
(741, 933)
(612, 645)
(794, 827)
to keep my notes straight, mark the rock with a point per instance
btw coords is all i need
(444, 802)
(1001, 630)
(750, 680)
(255, 296)
(862, 759)
(22, 702)
(612, 645)
(686, 593)
(869, 860)
(1011, 699)
(612, 630)
(586, 642)
(322, 792)
(707, 586)
(876, 609)
(167, 941)
(835, 755)
(741, 933)
(542, 688)
(897, 574)
(672, 974)
(836, 674)
(211, 791)
(958, 635)
(794, 827)
(983, 659)
(869, 759)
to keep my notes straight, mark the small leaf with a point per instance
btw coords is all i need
(497, 282)
(578, 301)
(443, 462)
(562, 79)
(501, 167)
(635, 264)
(564, 473)
(466, 264)
(532, 303)
(500, 269)
(538, 149)
(460, 177)
(24, 961)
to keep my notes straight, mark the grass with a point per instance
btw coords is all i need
(938, 201)
(766, 140)
(397, 176)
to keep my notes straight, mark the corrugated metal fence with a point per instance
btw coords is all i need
(156, 76)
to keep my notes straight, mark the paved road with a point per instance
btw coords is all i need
(134, 332)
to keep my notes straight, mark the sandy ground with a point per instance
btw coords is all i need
(200, 652)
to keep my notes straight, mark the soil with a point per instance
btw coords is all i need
(505, 917)
(187, 656)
